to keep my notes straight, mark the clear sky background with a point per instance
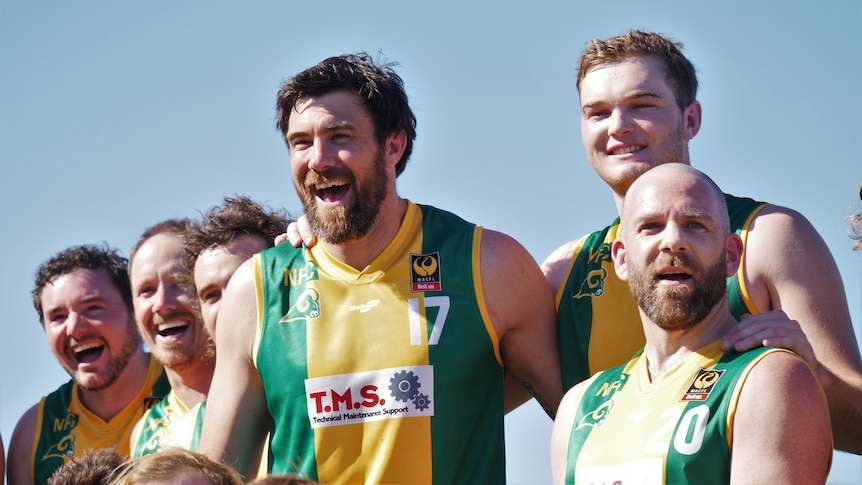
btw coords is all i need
(117, 115)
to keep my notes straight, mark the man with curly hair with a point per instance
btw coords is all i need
(84, 302)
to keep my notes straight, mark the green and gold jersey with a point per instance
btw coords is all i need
(391, 374)
(598, 320)
(65, 428)
(185, 431)
(157, 423)
(675, 429)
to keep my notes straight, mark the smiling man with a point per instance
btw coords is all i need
(377, 356)
(639, 110)
(84, 303)
(171, 327)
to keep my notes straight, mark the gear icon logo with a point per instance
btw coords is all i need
(404, 386)
(421, 402)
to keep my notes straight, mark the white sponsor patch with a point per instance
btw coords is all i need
(399, 392)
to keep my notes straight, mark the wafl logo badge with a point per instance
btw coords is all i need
(425, 272)
(703, 384)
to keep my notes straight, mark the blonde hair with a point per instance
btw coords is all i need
(172, 464)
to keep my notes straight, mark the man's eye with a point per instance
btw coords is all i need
(299, 145)
(57, 319)
(650, 226)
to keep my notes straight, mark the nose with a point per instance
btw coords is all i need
(321, 156)
(164, 300)
(620, 123)
(76, 325)
(672, 239)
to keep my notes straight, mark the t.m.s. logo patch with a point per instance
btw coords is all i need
(703, 384)
(425, 272)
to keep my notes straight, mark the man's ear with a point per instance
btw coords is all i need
(733, 250)
(394, 147)
(692, 115)
(618, 253)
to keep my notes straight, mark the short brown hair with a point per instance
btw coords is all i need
(680, 72)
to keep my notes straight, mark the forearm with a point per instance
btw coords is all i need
(844, 395)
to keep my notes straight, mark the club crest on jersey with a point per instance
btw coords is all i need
(594, 284)
(307, 306)
(702, 384)
(62, 449)
(425, 272)
(598, 416)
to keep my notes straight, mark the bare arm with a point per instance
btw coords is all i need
(236, 418)
(18, 471)
(522, 312)
(790, 268)
(556, 265)
(554, 268)
(781, 430)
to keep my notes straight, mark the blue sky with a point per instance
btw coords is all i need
(116, 115)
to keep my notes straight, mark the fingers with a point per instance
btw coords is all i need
(293, 235)
(770, 329)
(304, 232)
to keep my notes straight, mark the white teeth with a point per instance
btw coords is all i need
(85, 347)
(326, 185)
(623, 151)
(169, 325)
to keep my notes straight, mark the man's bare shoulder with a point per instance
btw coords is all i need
(556, 265)
(18, 454)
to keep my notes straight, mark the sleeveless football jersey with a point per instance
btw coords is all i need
(598, 320)
(675, 429)
(391, 374)
(185, 432)
(158, 421)
(65, 428)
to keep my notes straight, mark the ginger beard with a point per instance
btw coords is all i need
(186, 352)
(679, 307)
(350, 221)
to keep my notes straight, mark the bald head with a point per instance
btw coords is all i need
(677, 178)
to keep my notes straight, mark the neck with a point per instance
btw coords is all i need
(191, 383)
(359, 253)
(664, 348)
(110, 401)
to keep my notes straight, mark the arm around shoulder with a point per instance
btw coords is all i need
(804, 282)
(781, 430)
(236, 417)
(20, 446)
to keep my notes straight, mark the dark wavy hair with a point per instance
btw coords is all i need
(88, 256)
(376, 83)
(236, 217)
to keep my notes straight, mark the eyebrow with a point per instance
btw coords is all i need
(331, 127)
(627, 97)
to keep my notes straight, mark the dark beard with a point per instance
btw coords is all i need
(118, 365)
(344, 224)
(679, 308)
